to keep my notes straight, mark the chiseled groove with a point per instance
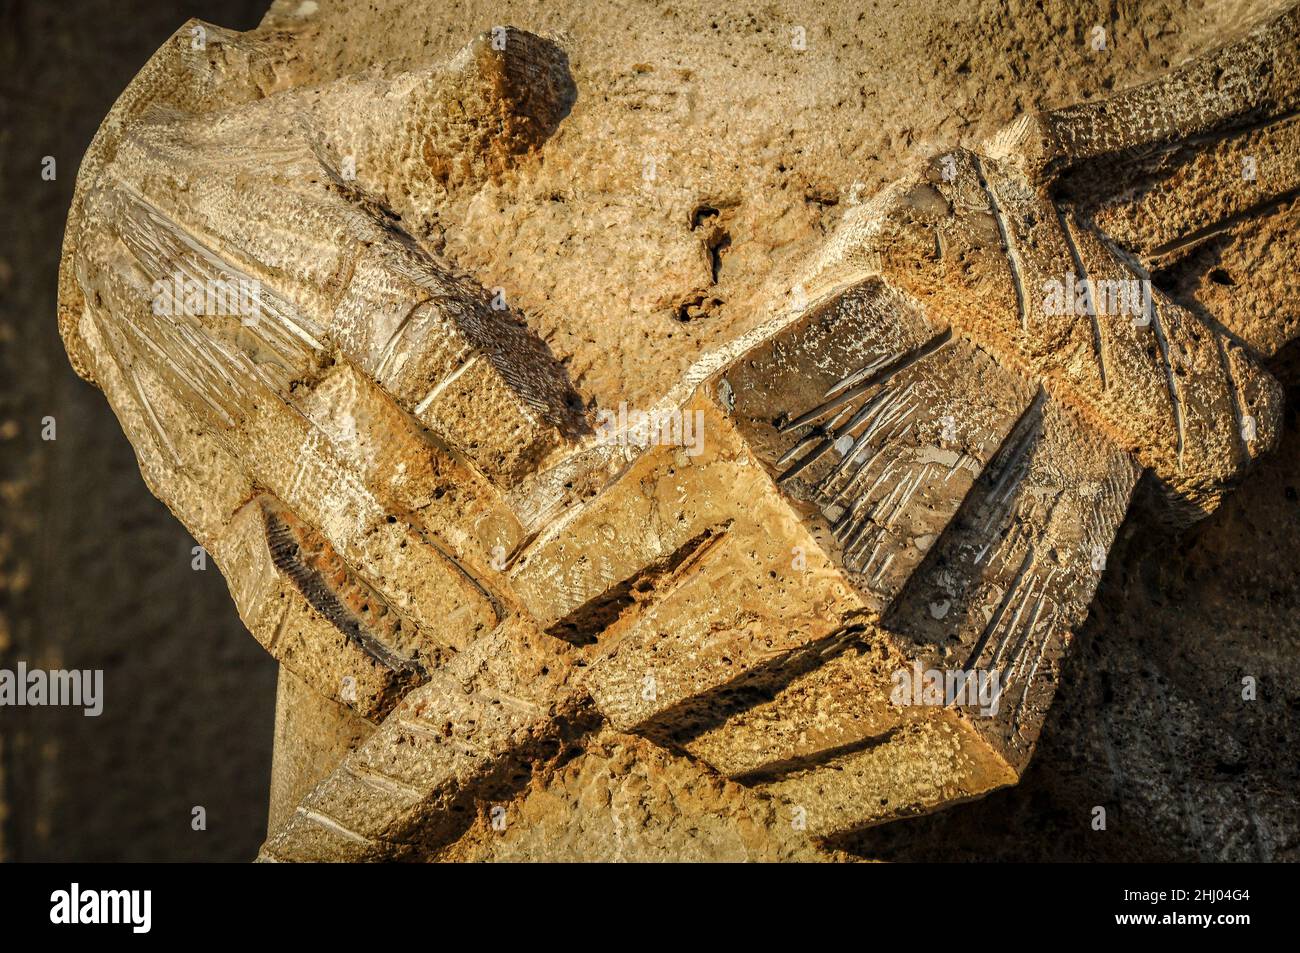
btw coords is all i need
(390, 346)
(146, 215)
(817, 434)
(884, 566)
(1010, 460)
(1207, 232)
(1016, 661)
(1097, 341)
(846, 524)
(996, 618)
(1013, 641)
(921, 476)
(862, 533)
(443, 384)
(819, 451)
(909, 486)
(854, 377)
(784, 768)
(897, 500)
(1161, 343)
(795, 447)
(1112, 498)
(1013, 255)
(1029, 684)
(1234, 394)
(881, 415)
(274, 641)
(488, 595)
(285, 549)
(159, 431)
(434, 734)
(1233, 132)
(853, 538)
(128, 374)
(880, 403)
(900, 428)
(903, 362)
(1008, 632)
(384, 782)
(336, 826)
(180, 372)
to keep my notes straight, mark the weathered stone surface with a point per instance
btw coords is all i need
(312, 735)
(626, 799)
(433, 507)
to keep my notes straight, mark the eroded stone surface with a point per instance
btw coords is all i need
(432, 509)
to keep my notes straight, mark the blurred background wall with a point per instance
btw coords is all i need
(94, 572)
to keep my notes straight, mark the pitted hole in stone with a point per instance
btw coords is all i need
(706, 218)
(702, 214)
(697, 307)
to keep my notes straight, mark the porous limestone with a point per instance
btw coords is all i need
(366, 307)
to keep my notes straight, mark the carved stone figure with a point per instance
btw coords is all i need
(543, 445)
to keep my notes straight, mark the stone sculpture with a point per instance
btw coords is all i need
(513, 533)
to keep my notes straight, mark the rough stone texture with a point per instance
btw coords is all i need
(625, 799)
(372, 450)
(312, 734)
(651, 599)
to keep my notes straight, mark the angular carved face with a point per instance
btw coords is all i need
(831, 547)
